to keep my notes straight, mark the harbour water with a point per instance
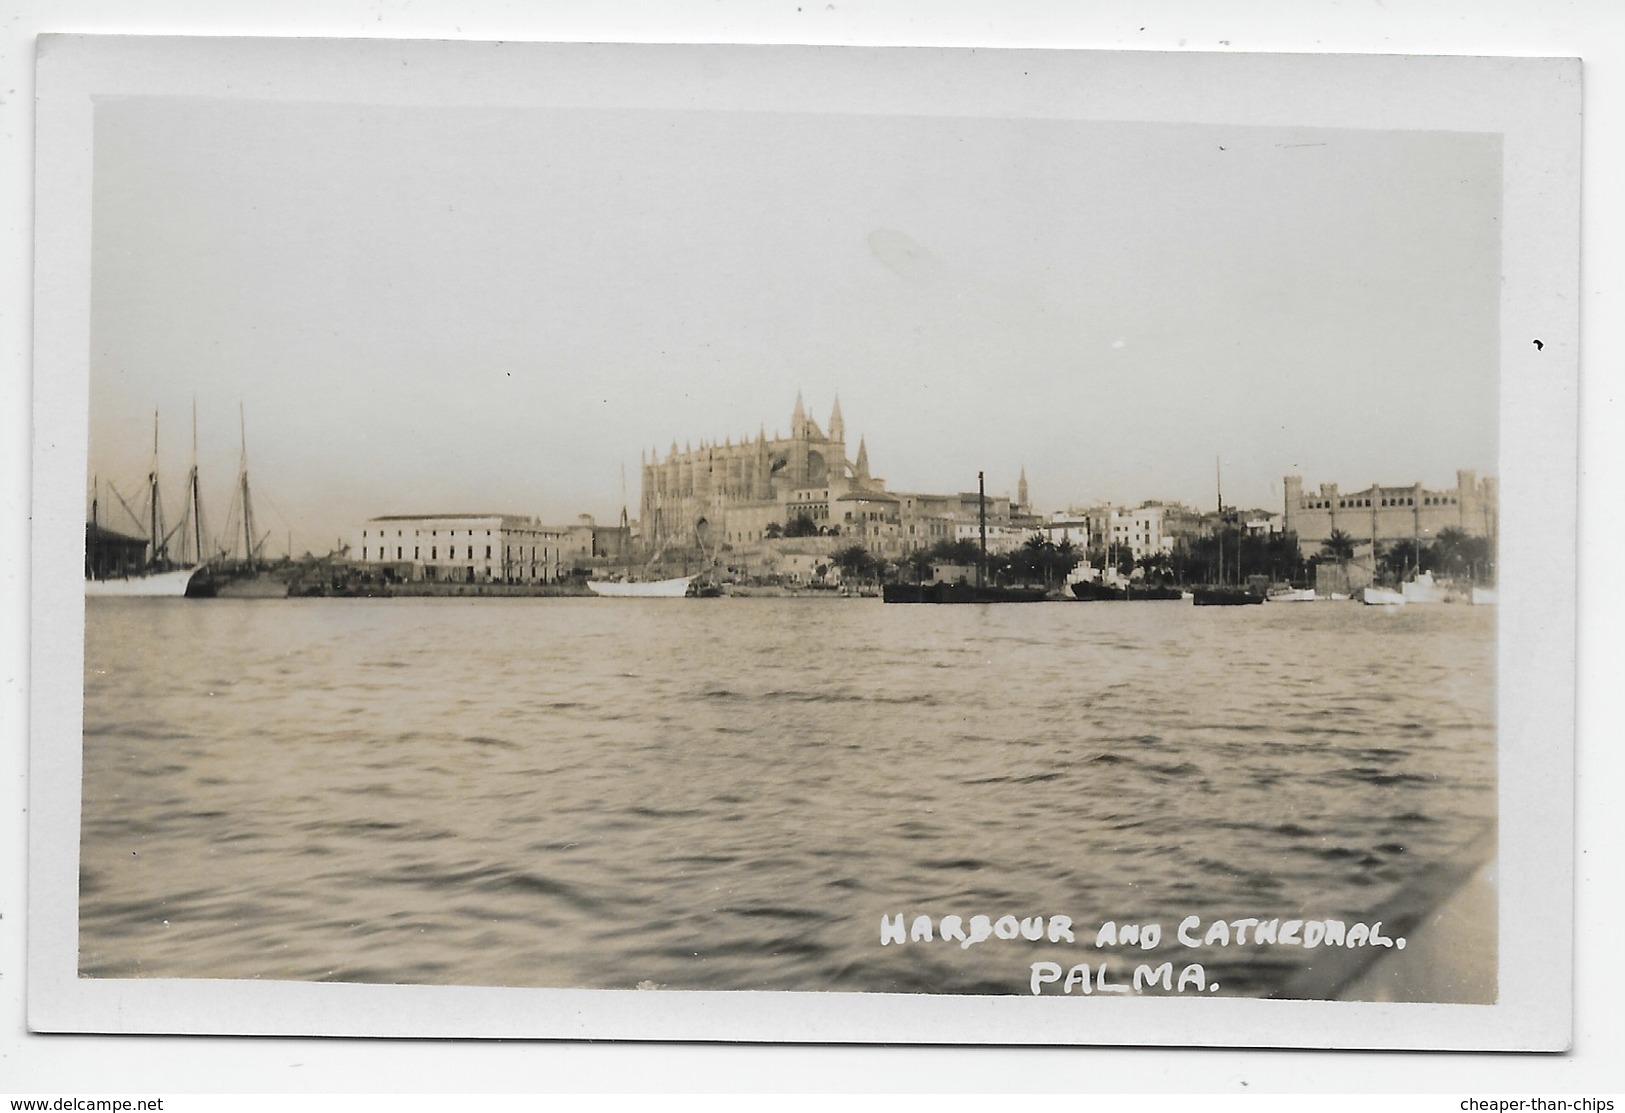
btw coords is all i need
(735, 793)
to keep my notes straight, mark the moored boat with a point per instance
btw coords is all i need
(979, 592)
(172, 584)
(1091, 591)
(119, 564)
(1423, 588)
(1381, 597)
(1214, 595)
(1223, 593)
(960, 593)
(675, 588)
(254, 585)
(1290, 595)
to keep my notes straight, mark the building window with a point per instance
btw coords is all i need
(434, 552)
(397, 550)
(414, 552)
(471, 554)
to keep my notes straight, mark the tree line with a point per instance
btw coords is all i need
(1231, 555)
(1452, 553)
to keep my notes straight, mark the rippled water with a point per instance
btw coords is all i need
(730, 794)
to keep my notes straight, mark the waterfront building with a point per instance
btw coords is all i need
(1001, 538)
(1136, 530)
(750, 498)
(111, 555)
(1261, 523)
(1068, 526)
(1383, 514)
(473, 548)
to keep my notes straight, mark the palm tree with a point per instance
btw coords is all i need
(1479, 555)
(1339, 547)
(1033, 559)
(1405, 557)
(1066, 558)
(919, 564)
(1451, 544)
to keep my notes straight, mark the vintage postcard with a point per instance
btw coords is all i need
(808, 544)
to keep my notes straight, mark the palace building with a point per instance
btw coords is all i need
(1389, 514)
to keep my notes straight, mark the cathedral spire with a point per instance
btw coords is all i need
(1021, 489)
(799, 418)
(860, 469)
(837, 427)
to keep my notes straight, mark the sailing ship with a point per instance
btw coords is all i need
(675, 588)
(626, 586)
(1222, 594)
(979, 592)
(121, 565)
(249, 579)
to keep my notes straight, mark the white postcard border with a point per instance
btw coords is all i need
(1533, 103)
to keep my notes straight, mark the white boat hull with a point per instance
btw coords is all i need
(1381, 597)
(157, 585)
(1424, 589)
(1301, 595)
(652, 589)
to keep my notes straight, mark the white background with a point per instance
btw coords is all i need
(1591, 29)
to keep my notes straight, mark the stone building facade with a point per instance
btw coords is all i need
(730, 493)
(1387, 514)
(729, 500)
(473, 548)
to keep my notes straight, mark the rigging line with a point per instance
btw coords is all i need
(134, 517)
(171, 534)
(275, 508)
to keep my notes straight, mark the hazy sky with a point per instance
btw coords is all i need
(476, 309)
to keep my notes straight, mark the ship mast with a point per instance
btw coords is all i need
(196, 495)
(981, 520)
(1218, 480)
(154, 510)
(248, 510)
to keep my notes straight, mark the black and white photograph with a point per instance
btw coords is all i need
(1071, 538)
